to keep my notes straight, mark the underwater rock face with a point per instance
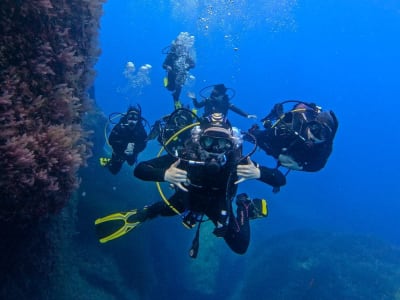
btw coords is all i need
(317, 265)
(47, 53)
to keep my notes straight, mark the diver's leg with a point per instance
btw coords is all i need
(115, 164)
(171, 81)
(163, 209)
(238, 233)
(131, 159)
(177, 93)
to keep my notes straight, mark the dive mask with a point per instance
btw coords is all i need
(132, 118)
(215, 144)
(319, 132)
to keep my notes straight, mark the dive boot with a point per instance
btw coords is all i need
(259, 209)
(253, 209)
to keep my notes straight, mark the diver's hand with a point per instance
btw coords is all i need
(129, 149)
(176, 176)
(249, 171)
(251, 116)
(191, 95)
(288, 162)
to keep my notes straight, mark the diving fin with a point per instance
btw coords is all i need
(118, 224)
(259, 209)
(165, 82)
(177, 104)
(104, 161)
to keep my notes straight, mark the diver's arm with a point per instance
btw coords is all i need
(317, 159)
(238, 111)
(198, 104)
(245, 171)
(251, 170)
(314, 166)
(273, 177)
(114, 136)
(117, 139)
(141, 137)
(169, 61)
(153, 169)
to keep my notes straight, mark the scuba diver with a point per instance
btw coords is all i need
(218, 101)
(179, 60)
(300, 139)
(168, 125)
(127, 139)
(205, 174)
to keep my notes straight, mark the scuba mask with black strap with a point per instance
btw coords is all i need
(131, 119)
(319, 132)
(217, 145)
(214, 151)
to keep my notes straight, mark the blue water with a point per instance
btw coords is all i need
(343, 55)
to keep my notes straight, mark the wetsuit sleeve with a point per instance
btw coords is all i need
(141, 139)
(198, 104)
(154, 169)
(238, 110)
(117, 140)
(169, 61)
(273, 177)
(317, 159)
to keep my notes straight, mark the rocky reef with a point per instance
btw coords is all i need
(47, 53)
(48, 49)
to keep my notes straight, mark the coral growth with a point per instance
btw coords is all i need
(48, 49)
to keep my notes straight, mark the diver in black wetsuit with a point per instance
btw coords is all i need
(218, 102)
(300, 139)
(206, 177)
(128, 138)
(179, 60)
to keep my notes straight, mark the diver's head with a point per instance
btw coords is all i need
(215, 143)
(216, 140)
(216, 135)
(218, 92)
(132, 116)
(323, 128)
(181, 118)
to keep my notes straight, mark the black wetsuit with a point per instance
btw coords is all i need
(212, 105)
(177, 68)
(121, 135)
(211, 190)
(289, 137)
(310, 156)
